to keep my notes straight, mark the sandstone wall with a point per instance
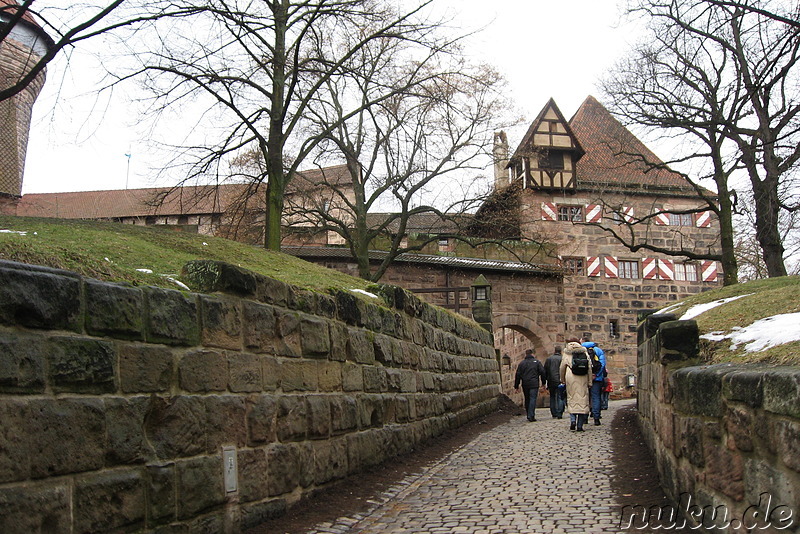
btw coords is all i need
(118, 404)
(727, 436)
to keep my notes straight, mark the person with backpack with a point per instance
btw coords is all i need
(598, 359)
(558, 393)
(576, 372)
(531, 373)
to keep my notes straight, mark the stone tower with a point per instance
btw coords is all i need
(500, 155)
(22, 47)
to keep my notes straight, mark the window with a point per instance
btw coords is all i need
(570, 213)
(680, 219)
(443, 241)
(613, 328)
(628, 269)
(686, 271)
(574, 265)
(551, 160)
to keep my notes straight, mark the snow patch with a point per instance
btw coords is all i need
(698, 309)
(367, 293)
(176, 282)
(146, 271)
(762, 334)
(14, 232)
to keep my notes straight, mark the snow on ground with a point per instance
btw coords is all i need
(762, 334)
(367, 293)
(13, 232)
(698, 309)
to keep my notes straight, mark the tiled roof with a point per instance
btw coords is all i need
(423, 223)
(526, 140)
(186, 200)
(9, 6)
(428, 259)
(606, 162)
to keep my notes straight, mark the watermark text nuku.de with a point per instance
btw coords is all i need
(688, 515)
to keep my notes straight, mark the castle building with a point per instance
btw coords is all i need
(24, 45)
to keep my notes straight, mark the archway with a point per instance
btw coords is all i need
(513, 334)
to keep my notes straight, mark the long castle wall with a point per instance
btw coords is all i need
(725, 437)
(139, 408)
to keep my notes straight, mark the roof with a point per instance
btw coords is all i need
(611, 154)
(422, 223)
(184, 200)
(429, 259)
(9, 8)
(528, 137)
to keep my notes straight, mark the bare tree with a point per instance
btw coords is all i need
(259, 66)
(722, 80)
(413, 156)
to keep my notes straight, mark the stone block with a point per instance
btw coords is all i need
(255, 514)
(788, 434)
(245, 371)
(344, 414)
(698, 390)
(226, 422)
(347, 309)
(172, 317)
(762, 477)
(259, 327)
(109, 501)
(272, 291)
(161, 503)
(319, 416)
(305, 453)
(39, 298)
(145, 368)
(210, 276)
(330, 460)
(339, 339)
(329, 376)
(15, 458)
(782, 391)
(289, 342)
(326, 306)
(408, 381)
(375, 379)
(360, 345)
(302, 300)
(745, 386)
(271, 373)
(689, 440)
(292, 418)
(114, 309)
(299, 375)
(65, 436)
(82, 365)
(679, 340)
(43, 507)
(739, 423)
(352, 377)
(125, 442)
(222, 323)
(22, 365)
(176, 427)
(315, 338)
(252, 475)
(200, 486)
(725, 471)
(261, 419)
(202, 371)
(371, 411)
(283, 468)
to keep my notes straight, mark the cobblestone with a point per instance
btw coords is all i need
(517, 478)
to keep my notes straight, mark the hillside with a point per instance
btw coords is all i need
(148, 255)
(753, 321)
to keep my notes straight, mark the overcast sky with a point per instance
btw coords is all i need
(72, 148)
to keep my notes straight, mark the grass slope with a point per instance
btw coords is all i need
(114, 252)
(759, 299)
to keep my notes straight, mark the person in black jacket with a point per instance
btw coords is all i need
(531, 373)
(558, 392)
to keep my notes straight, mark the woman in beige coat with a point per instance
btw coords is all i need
(577, 386)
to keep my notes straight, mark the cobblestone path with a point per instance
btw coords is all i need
(519, 477)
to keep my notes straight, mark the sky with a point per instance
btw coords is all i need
(82, 142)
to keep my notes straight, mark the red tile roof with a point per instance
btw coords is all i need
(610, 159)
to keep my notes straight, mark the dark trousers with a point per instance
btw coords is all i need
(558, 401)
(595, 394)
(530, 401)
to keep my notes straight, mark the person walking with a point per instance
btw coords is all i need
(598, 376)
(575, 371)
(558, 393)
(530, 373)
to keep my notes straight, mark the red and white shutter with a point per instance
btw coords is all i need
(666, 270)
(593, 266)
(612, 267)
(662, 219)
(703, 219)
(708, 270)
(549, 211)
(627, 214)
(649, 268)
(594, 213)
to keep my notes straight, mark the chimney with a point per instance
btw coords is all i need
(500, 154)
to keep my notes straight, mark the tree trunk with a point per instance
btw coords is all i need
(767, 231)
(730, 267)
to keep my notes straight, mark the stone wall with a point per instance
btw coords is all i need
(726, 436)
(119, 404)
